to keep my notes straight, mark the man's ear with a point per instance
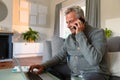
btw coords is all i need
(82, 19)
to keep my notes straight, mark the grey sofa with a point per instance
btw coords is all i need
(61, 70)
(114, 50)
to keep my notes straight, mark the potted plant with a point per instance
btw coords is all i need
(30, 35)
(108, 32)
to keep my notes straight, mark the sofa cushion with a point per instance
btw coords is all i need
(113, 44)
(114, 63)
(56, 42)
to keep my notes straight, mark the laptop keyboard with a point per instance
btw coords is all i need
(32, 76)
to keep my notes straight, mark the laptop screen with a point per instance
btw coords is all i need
(19, 69)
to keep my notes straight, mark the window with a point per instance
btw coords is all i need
(64, 31)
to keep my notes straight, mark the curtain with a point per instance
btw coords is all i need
(57, 19)
(93, 12)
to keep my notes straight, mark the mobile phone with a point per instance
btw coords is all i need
(82, 20)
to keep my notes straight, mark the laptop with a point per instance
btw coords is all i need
(23, 70)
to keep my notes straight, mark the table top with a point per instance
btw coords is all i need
(7, 74)
(7, 67)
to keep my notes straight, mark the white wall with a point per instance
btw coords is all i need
(42, 29)
(7, 22)
(110, 15)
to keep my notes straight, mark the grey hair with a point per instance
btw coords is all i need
(77, 9)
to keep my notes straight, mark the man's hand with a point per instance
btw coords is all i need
(39, 68)
(79, 25)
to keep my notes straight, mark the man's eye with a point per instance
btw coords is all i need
(70, 21)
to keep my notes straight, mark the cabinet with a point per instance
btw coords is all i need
(27, 49)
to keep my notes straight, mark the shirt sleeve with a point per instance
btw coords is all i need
(93, 48)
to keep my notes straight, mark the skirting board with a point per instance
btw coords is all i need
(27, 55)
(5, 60)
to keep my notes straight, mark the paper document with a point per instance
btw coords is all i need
(17, 69)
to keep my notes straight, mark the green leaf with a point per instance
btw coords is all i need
(30, 35)
(108, 32)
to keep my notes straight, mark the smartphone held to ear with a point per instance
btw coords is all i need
(74, 26)
(82, 20)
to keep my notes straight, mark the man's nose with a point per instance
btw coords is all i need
(68, 25)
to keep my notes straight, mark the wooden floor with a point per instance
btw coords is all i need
(27, 61)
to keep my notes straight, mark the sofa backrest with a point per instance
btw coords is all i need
(56, 43)
(47, 51)
(113, 44)
(52, 47)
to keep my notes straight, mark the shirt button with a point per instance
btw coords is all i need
(78, 48)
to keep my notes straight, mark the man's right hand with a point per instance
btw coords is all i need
(39, 68)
